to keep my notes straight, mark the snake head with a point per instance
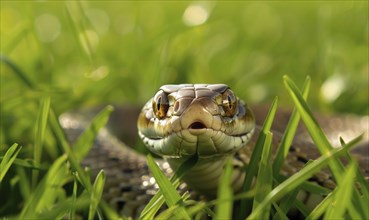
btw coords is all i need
(187, 119)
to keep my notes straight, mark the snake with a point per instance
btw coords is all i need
(207, 121)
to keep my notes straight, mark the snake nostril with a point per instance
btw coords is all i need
(197, 125)
(176, 106)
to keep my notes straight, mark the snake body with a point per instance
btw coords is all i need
(206, 120)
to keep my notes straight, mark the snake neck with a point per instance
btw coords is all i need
(204, 177)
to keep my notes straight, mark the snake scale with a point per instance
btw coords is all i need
(207, 120)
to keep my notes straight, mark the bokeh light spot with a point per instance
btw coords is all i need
(195, 14)
(260, 92)
(332, 88)
(99, 73)
(48, 27)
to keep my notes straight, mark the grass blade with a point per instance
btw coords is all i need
(320, 208)
(109, 212)
(45, 192)
(314, 188)
(304, 210)
(362, 183)
(97, 190)
(60, 136)
(41, 123)
(28, 163)
(20, 74)
(265, 177)
(225, 193)
(84, 142)
(252, 168)
(168, 213)
(342, 195)
(280, 213)
(24, 183)
(157, 201)
(168, 190)
(64, 206)
(312, 125)
(74, 12)
(8, 159)
(198, 209)
(298, 178)
(322, 142)
(286, 203)
(289, 134)
(72, 211)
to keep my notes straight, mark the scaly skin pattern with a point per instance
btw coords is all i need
(209, 121)
(204, 120)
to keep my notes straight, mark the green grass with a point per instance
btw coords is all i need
(108, 53)
(224, 209)
(47, 197)
(8, 159)
(267, 196)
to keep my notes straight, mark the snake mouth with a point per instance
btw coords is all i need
(196, 139)
(197, 125)
(197, 128)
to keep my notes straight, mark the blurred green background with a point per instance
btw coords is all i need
(86, 54)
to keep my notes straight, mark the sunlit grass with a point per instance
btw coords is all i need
(151, 209)
(107, 53)
(225, 194)
(49, 193)
(252, 168)
(8, 159)
(274, 201)
(48, 197)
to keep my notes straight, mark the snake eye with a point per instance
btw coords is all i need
(229, 103)
(160, 104)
